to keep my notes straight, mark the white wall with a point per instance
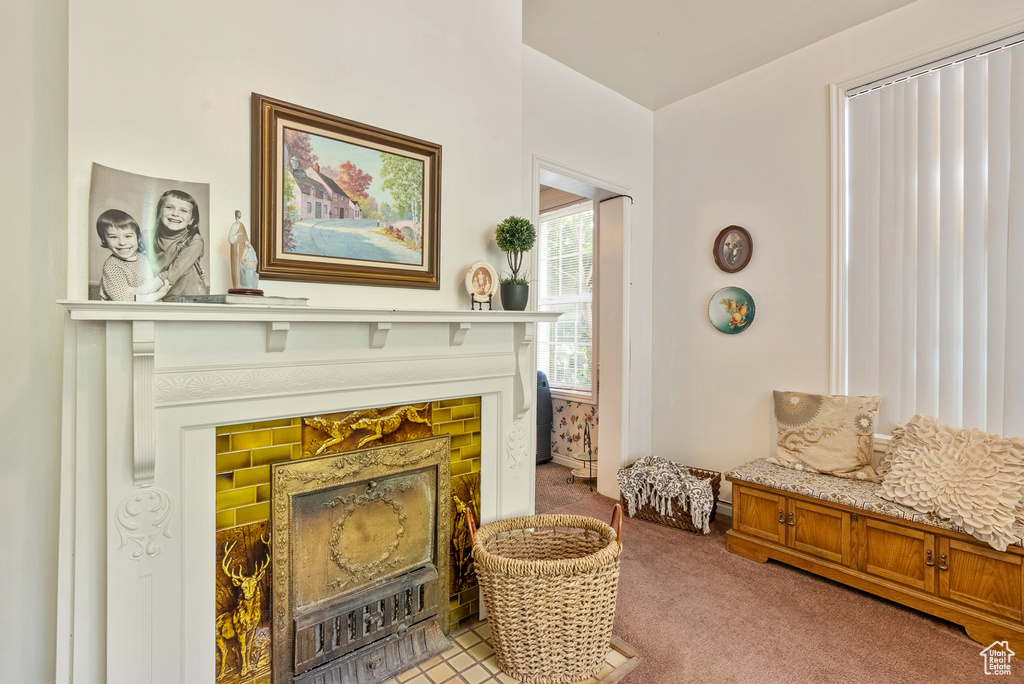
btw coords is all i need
(578, 123)
(754, 151)
(34, 121)
(165, 92)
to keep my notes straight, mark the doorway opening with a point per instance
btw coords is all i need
(580, 268)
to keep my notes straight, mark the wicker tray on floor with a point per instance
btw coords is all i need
(680, 518)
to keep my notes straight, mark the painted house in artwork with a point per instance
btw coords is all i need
(342, 206)
(312, 198)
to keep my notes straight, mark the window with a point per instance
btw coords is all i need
(932, 244)
(565, 349)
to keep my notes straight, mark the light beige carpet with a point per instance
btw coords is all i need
(553, 490)
(701, 615)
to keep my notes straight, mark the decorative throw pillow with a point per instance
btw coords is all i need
(968, 476)
(826, 434)
(885, 464)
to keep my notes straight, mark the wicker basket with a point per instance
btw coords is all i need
(680, 518)
(549, 584)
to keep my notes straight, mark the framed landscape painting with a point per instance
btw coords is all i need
(338, 201)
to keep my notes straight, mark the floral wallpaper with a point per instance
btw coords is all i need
(567, 427)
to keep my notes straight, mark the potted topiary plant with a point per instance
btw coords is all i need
(515, 236)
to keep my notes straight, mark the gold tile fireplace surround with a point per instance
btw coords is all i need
(145, 387)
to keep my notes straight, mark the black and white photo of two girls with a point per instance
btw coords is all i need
(149, 237)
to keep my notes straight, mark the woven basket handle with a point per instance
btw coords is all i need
(617, 512)
(472, 526)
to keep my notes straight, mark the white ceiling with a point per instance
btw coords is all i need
(656, 52)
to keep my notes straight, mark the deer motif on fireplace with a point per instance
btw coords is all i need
(380, 422)
(241, 623)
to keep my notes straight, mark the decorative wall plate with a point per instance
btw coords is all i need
(731, 310)
(733, 249)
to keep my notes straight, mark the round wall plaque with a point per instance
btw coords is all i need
(731, 310)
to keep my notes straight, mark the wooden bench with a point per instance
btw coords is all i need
(843, 530)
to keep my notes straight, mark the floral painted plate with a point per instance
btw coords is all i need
(731, 310)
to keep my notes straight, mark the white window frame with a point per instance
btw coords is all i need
(839, 231)
(565, 394)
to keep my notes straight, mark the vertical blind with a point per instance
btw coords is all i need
(566, 284)
(935, 243)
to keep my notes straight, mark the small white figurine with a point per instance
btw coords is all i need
(244, 278)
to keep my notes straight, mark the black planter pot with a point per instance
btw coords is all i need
(514, 297)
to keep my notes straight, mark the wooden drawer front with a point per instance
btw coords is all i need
(758, 514)
(899, 554)
(819, 531)
(981, 577)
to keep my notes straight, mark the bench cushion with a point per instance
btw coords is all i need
(852, 493)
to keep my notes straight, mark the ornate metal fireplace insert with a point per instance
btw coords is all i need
(360, 562)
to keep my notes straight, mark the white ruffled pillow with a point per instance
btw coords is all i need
(885, 463)
(968, 476)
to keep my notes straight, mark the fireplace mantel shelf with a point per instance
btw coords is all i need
(278, 319)
(92, 310)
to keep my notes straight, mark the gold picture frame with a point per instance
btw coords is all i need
(337, 201)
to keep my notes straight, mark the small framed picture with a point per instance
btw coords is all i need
(481, 282)
(733, 249)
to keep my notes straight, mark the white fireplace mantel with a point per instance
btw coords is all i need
(146, 385)
(278, 319)
(93, 310)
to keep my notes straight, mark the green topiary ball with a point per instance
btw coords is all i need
(516, 234)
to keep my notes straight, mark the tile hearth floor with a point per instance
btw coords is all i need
(471, 660)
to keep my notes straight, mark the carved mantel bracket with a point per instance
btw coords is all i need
(526, 386)
(277, 336)
(143, 348)
(379, 334)
(457, 333)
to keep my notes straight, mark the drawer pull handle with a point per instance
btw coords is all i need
(782, 517)
(942, 562)
(928, 559)
(854, 518)
(791, 523)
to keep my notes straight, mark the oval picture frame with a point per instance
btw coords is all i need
(733, 249)
(481, 281)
